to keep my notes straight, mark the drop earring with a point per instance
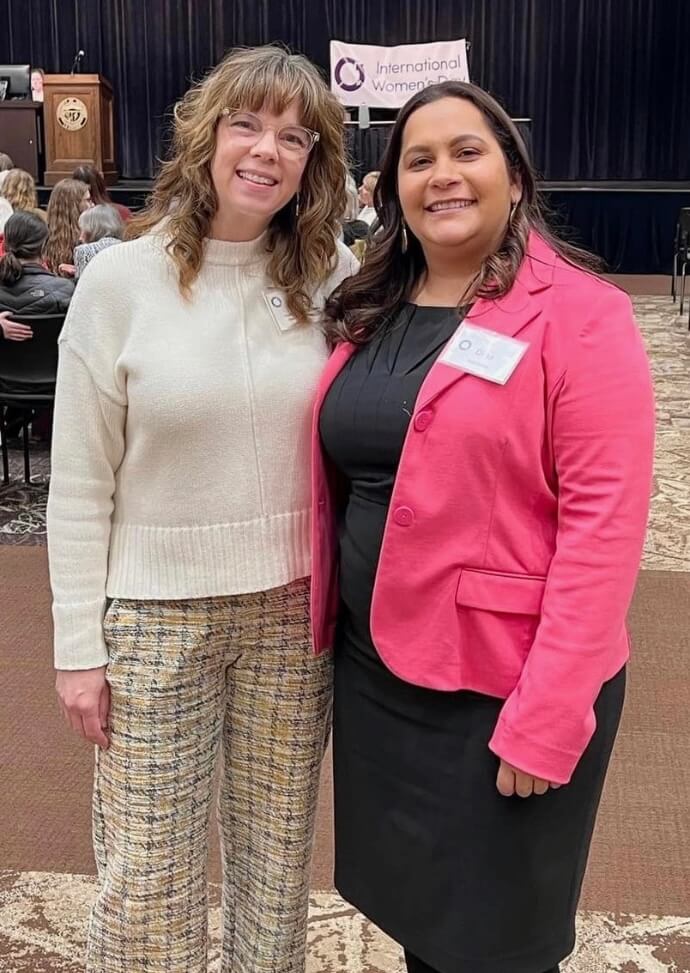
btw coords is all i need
(297, 206)
(404, 237)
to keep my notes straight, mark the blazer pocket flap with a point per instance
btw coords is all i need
(514, 593)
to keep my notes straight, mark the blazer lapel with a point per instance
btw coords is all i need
(507, 315)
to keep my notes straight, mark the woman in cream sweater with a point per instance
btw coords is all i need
(178, 524)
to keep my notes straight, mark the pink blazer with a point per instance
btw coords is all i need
(516, 526)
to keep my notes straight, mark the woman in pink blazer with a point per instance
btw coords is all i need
(483, 443)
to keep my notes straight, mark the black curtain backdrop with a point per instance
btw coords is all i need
(606, 82)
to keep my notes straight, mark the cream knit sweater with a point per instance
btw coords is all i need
(180, 463)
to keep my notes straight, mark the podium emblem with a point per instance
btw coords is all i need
(72, 114)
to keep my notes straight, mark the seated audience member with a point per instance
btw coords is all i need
(359, 247)
(6, 208)
(5, 213)
(351, 200)
(68, 200)
(12, 330)
(353, 229)
(99, 193)
(26, 287)
(101, 227)
(366, 197)
(6, 164)
(19, 189)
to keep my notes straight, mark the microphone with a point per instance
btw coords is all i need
(75, 63)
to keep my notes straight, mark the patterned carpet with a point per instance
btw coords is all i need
(52, 910)
(23, 505)
(636, 905)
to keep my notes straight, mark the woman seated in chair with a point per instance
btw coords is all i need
(354, 230)
(19, 189)
(26, 287)
(95, 180)
(101, 227)
(68, 200)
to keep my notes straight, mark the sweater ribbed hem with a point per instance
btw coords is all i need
(208, 561)
(184, 562)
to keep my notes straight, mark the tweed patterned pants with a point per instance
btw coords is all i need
(189, 678)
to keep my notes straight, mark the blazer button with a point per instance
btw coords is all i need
(423, 419)
(403, 516)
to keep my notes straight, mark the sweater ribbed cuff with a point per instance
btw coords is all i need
(79, 642)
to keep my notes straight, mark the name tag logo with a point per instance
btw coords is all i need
(277, 305)
(484, 353)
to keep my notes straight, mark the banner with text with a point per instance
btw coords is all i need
(385, 77)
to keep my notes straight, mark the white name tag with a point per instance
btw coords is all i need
(484, 353)
(277, 305)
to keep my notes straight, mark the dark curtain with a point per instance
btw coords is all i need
(606, 82)
(633, 231)
(367, 145)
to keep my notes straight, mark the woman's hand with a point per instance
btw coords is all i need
(67, 270)
(511, 781)
(12, 330)
(84, 696)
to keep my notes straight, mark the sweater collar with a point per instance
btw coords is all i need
(235, 254)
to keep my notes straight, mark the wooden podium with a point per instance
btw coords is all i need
(20, 134)
(78, 125)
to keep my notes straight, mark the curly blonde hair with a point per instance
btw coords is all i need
(254, 78)
(19, 189)
(64, 210)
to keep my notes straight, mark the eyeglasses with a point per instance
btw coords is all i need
(246, 127)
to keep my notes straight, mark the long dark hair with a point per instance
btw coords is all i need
(25, 237)
(95, 181)
(363, 304)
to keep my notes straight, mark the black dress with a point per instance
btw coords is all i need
(426, 847)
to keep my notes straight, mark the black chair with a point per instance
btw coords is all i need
(28, 370)
(681, 252)
(354, 230)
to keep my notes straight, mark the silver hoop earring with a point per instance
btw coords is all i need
(512, 213)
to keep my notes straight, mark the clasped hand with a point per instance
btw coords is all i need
(511, 781)
(12, 330)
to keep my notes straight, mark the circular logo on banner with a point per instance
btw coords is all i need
(72, 114)
(349, 63)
